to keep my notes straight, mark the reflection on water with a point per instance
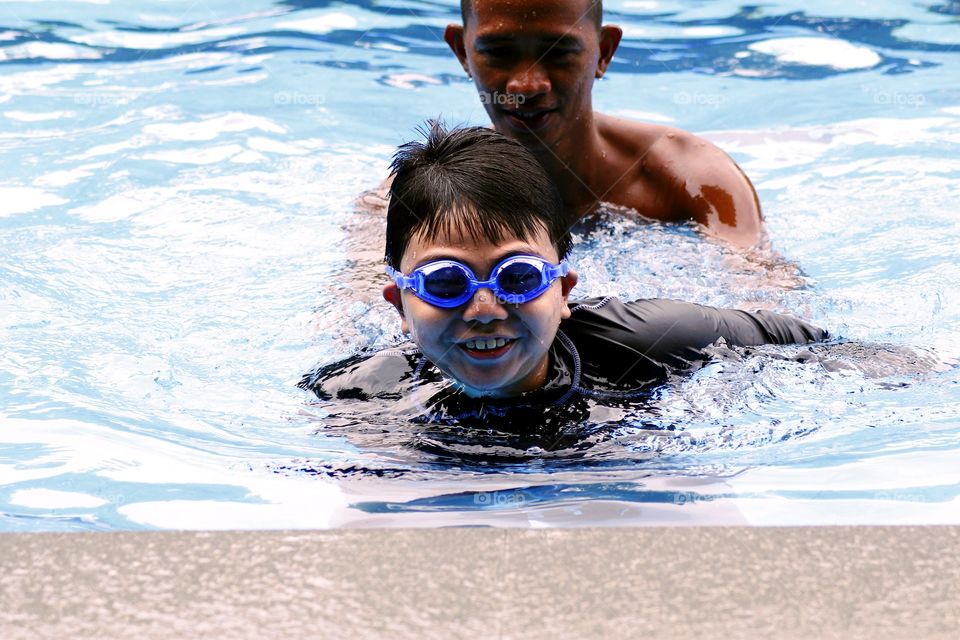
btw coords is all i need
(181, 241)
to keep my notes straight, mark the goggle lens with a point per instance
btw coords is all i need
(520, 278)
(446, 283)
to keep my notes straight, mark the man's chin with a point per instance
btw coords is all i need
(543, 129)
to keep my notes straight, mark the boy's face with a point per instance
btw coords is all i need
(534, 63)
(446, 335)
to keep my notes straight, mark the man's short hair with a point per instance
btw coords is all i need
(595, 10)
(475, 181)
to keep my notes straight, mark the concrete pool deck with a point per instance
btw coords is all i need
(711, 582)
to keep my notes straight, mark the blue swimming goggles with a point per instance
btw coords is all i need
(448, 283)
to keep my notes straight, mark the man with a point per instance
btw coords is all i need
(534, 63)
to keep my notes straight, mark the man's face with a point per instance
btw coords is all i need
(534, 63)
(448, 337)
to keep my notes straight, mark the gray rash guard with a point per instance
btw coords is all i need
(607, 350)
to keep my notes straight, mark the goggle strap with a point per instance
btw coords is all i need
(402, 281)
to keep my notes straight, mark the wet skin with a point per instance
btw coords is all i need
(445, 336)
(534, 64)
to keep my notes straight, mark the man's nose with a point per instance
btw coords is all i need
(484, 307)
(528, 80)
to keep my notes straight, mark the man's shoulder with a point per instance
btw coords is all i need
(665, 150)
(673, 174)
(631, 135)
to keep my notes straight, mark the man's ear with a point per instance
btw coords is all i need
(610, 35)
(454, 37)
(391, 293)
(567, 283)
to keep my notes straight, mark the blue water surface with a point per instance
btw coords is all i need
(180, 241)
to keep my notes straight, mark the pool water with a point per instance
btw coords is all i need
(180, 242)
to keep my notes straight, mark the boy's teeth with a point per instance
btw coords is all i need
(485, 344)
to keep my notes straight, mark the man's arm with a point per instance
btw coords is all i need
(376, 200)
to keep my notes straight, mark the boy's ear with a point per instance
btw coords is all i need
(567, 283)
(391, 293)
(454, 37)
(610, 35)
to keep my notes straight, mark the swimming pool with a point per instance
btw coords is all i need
(180, 243)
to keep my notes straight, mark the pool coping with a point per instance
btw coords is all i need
(660, 582)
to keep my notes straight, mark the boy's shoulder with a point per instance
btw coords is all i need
(604, 310)
(599, 315)
(365, 375)
(613, 345)
(591, 304)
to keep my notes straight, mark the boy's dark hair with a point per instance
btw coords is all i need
(595, 10)
(471, 180)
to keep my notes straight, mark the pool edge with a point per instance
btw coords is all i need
(690, 582)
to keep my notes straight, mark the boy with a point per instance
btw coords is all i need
(476, 250)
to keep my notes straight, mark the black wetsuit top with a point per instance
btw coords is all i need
(607, 350)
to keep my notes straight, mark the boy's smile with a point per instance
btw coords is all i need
(490, 347)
